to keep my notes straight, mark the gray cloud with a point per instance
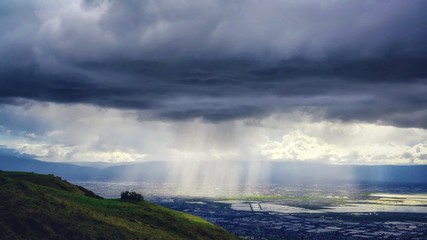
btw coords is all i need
(220, 60)
(224, 29)
(96, 29)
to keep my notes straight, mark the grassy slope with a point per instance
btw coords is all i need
(34, 206)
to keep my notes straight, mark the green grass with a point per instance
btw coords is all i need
(310, 201)
(274, 197)
(253, 198)
(264, 197)
(34, 206)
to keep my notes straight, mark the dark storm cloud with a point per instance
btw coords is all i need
(274, 29)
(220, 60)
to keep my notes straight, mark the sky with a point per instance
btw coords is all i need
(340, 82)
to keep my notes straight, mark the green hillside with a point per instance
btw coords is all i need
(34, 206)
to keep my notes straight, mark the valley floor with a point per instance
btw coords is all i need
(295, 212)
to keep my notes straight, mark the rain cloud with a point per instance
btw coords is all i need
(220, 60)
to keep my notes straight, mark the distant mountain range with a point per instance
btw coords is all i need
(12, 161)
(221, 171)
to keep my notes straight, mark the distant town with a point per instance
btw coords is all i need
(267, 225)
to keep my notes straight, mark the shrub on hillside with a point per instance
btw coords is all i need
(126, 195)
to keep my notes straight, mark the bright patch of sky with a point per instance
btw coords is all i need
(84, 133)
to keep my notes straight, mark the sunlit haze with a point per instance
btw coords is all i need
(85, 133)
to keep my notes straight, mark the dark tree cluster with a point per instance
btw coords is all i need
(126, 195)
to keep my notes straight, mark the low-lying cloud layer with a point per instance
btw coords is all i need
(371, 92)
(83, 133)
